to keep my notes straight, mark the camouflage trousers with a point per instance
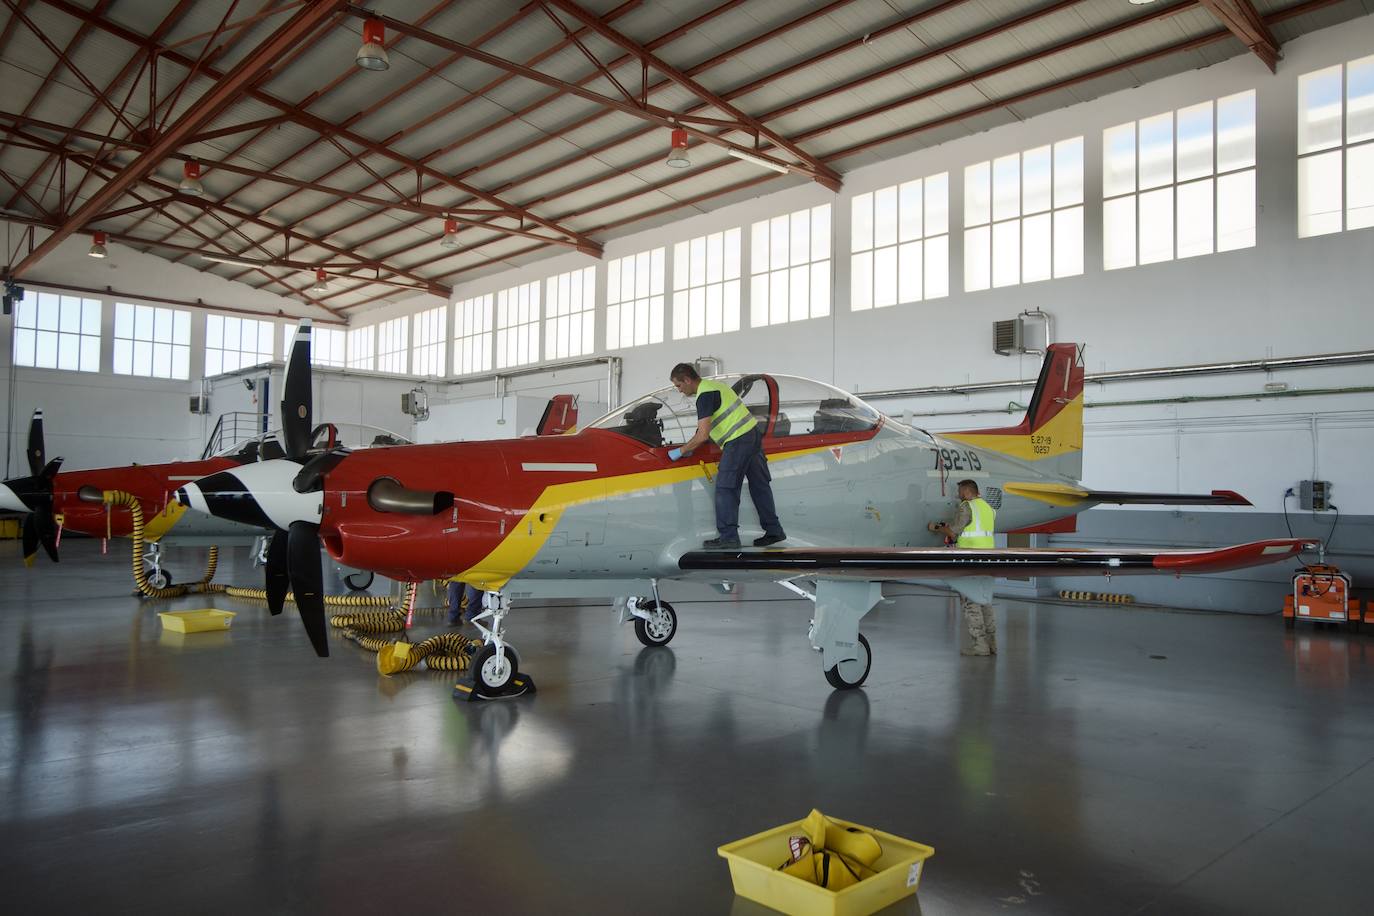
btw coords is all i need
(982, 628)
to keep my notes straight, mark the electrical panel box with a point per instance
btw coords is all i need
(1008, 337)
(200, 404)
(1314, 495)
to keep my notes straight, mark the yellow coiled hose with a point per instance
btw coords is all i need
(444, 652)
(205, 586)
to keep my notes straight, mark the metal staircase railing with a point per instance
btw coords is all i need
(231, 429)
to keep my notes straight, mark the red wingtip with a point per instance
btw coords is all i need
(1237, 557)
(1235, 498)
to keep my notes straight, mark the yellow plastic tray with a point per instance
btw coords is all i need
(201, 621)
(754, 865)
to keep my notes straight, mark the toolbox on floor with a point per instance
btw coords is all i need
(201, 621)
(754, 863)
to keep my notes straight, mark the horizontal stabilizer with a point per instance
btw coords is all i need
(1068, 495)
(895, 563)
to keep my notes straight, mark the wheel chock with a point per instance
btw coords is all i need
(466, 689)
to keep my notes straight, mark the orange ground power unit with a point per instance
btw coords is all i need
(1321, 594)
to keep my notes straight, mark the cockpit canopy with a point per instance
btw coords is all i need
(785, 405)
(266, 446)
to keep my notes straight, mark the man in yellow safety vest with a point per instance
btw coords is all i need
(972, 528)
(724, 419)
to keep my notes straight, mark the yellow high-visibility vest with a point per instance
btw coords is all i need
(978, 534)
(731, 419)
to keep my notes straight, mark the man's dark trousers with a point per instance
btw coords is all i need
(743, 459)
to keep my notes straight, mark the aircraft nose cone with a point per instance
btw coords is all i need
(10, 501)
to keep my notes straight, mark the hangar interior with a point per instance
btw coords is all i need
(908, 201)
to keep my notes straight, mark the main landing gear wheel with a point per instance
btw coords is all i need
(852, 673)
(492, 674)
(356, 583)
(661, 626)
(160, 578)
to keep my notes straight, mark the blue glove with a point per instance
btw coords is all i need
(674, 454)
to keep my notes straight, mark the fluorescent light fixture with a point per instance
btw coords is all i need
(750, 157)
(230, 259)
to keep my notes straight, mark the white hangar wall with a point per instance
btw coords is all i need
(1283, 297)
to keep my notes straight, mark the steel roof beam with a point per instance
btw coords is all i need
(821, 172)
(434, 116)
(1274, 18)
(652, 113)
(225, 91)
(1242, 21)
(167, 23)
(301, 116)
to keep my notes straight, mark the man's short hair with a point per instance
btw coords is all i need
(970, 484)
(684, 370)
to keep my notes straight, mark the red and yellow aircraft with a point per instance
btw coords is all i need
(606, 512)
(54, 501)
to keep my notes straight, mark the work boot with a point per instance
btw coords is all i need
(990, 628)
(768, 540)
(973, 621)
(721, 544)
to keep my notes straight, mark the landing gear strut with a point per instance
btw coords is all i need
(495, 670)
(152, 565)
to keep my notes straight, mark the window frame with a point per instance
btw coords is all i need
(636, 299)
(866, 250)
(1161, 202)
(177, 322)
(1019, 193)
(83, 334)
(696, 295)
(766, 238)
(570, 313)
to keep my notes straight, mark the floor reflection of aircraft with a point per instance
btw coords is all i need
(606, 511)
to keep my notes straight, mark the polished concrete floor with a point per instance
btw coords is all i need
(1110, 761)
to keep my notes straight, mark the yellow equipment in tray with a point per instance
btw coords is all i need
(757, 866)
(205, 620)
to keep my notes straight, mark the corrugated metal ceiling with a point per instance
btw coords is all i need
(441, 130)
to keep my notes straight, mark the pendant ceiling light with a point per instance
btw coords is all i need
(372, 55)
(321, 281)
(677, 151)
(98, 240)
(190, 178)
(450, 238)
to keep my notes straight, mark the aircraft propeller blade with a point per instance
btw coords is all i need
(47, 530)
(307, 581)
(296, 402)
(30, 535)
(278, 574)
(36, 449)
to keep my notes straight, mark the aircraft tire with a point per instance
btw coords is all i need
(848, 675)
(160, 579)
(661, 628)
(355, 586)
(490, 677)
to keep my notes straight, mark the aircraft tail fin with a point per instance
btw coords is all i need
(560, 416)
(1051, 433)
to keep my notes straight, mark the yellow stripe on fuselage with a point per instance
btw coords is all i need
(518, 548)
(1061, 435)
(161, 523)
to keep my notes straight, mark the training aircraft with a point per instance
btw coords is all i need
(53, 501)
(605, 511)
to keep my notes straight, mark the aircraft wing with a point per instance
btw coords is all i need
(879, 563)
